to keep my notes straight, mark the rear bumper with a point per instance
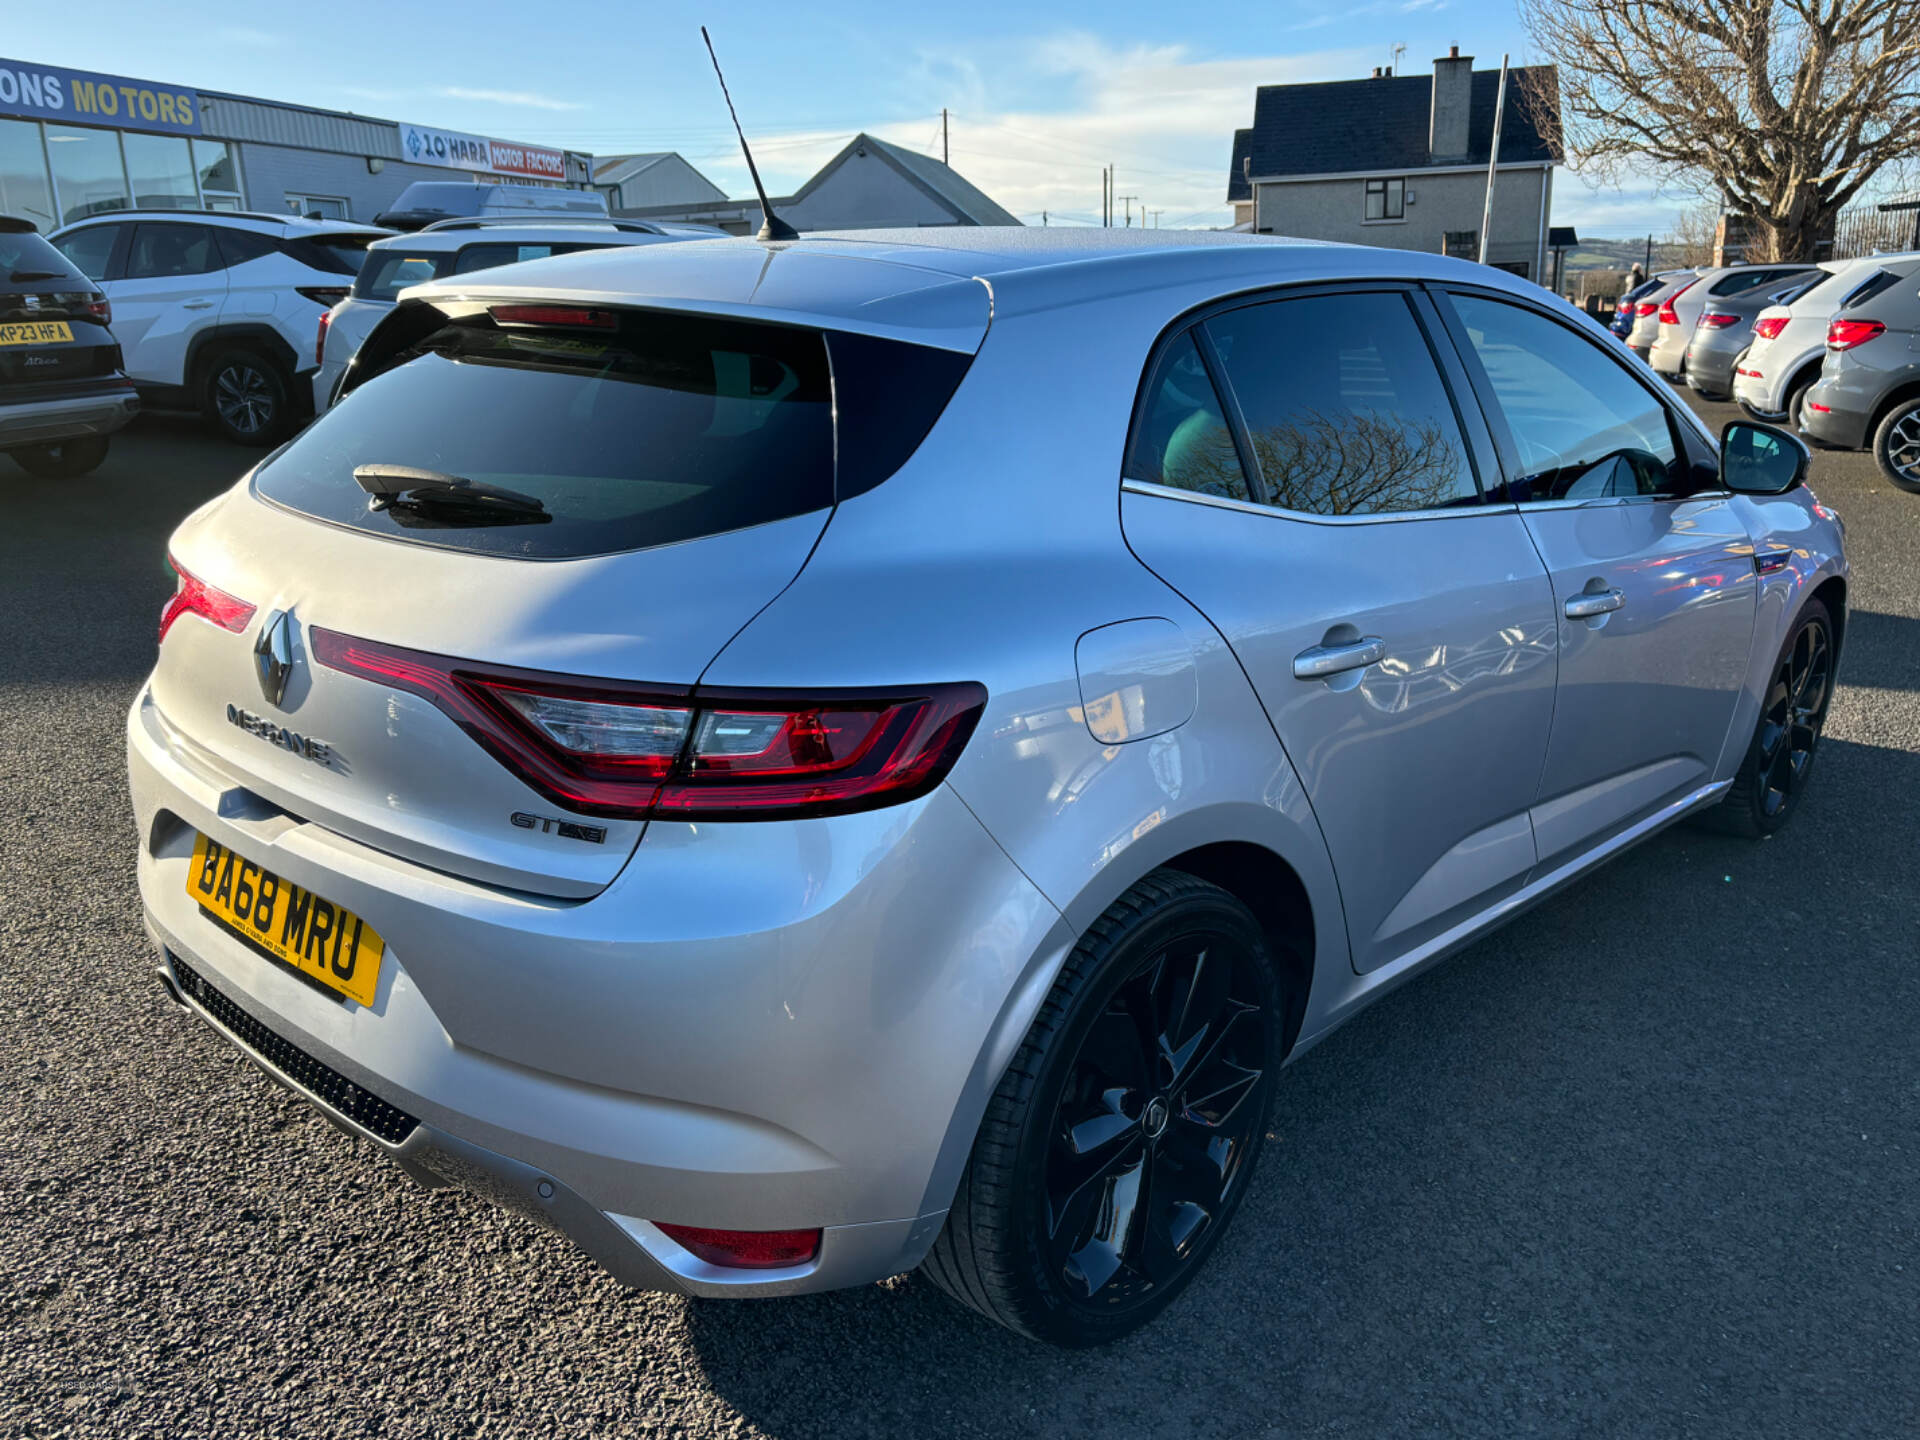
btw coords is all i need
(45, 422)
(1837, 415)
(756, 1027)
(1709, 369)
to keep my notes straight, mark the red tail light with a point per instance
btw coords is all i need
(569, 315)
(193, 596)
(98, 307)
(1668, 315)
(745, 1249)
(1845, 334)
(1717, 320)
(1645, 307)
(612, 748)
(1769, 328)
(320, 338)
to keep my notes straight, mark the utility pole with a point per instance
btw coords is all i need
(1128, 200)
(1044, 222)
(1649, 265)
(943, 136)
(1493, 159)
(1156, 218)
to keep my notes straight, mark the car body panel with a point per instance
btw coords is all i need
(800, 1022)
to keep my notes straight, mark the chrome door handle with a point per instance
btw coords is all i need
(1587, 605)
(1321, 661)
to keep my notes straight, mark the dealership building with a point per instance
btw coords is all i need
(74, 143)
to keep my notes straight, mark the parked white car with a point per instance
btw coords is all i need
(457, 247)
(215, 311)
(1790, 341)
(1680, 310)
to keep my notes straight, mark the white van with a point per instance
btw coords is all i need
(426, 201)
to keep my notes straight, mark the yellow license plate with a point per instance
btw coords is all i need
(36, 332)
(318, 938)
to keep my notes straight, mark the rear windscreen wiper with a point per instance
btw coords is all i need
(412, 488)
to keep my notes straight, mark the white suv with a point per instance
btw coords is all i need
(215, 312)
(458, 247)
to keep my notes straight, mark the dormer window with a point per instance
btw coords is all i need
(1386, 199)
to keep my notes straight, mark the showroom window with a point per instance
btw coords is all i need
(87, 171)
(161, 172)
(24, 190)
(219, 178)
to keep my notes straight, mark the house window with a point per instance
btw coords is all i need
(1386, 199)
(323, 207)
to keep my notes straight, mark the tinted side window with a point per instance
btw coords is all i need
(237, 246)
(161, 250)
(1180, 437)
(1585, 428)
(90, 249)
(1344, 405)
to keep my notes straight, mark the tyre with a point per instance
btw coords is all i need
(248, 396)
(1796, 398)
(63, 460)
(1124, 1133)
(1896, 446)
(1765, 417)
(1766, 792)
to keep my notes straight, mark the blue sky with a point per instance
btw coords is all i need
(1041, 95)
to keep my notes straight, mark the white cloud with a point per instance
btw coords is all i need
(527, 99)
(248, 36)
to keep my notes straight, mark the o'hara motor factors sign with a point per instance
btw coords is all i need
(81, 97)
(420, 145)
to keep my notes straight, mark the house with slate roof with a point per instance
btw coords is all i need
(1401, 161)
(871, 184)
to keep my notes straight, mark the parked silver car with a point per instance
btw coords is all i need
(1682, 309)
(1868, 393)
(1646, 320)
(1724, 332)
(792, 762)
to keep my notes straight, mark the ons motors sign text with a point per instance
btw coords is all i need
(47, 92)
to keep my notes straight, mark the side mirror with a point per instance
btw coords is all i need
(1761, 459)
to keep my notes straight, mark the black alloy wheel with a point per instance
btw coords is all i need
(1151, 1130)
(1793, 711)
(1896, 446)
(1125, 1132)
(248, 397)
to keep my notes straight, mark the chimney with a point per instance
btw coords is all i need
(1452, 106)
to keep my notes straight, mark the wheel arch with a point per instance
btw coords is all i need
(1832, 592)
(1899, 395)
(261, 337)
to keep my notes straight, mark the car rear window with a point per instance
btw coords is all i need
(654, 429)
(339, 254)
(25, 254)
(388, 272)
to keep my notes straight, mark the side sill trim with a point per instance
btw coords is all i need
(1373, 984)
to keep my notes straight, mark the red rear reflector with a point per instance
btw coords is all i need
(1750, 374)
(745, 1249)
(1770, 327)
(1717, 320)
(1845, 334)
(1823, 409)
(614, 748)
(193, 596)
(320, 339)
(553, 315)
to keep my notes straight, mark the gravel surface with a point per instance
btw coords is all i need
(1644, 1162)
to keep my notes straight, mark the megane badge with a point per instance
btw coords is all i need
(273, 655)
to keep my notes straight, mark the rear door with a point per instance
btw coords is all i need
(1323, 511)
(172, 287)
(1655, 592)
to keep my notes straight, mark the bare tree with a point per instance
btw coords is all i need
(1785, 108)
(1690, 241)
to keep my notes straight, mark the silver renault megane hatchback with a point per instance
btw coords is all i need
(793, 762)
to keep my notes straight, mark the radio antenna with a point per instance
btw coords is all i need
(772, 227)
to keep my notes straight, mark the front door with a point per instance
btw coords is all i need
(1397, 628)
(1655, 595)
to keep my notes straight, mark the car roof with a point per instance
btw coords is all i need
(266, 223)
(497, 230)
(927, 284)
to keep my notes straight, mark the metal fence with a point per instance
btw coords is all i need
(1862, 230)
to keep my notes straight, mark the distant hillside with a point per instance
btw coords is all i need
(1619, 255)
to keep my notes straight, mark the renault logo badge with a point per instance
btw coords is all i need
(273, 655)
